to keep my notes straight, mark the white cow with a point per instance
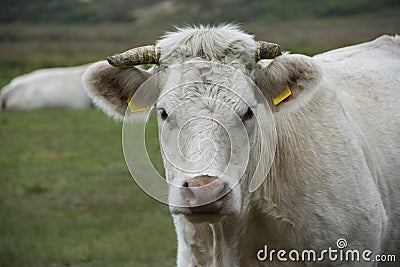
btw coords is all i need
(54, 87)
(336, 168)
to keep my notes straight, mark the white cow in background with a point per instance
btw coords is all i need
(53, 87)
(336, 170)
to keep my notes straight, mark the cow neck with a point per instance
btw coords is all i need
(225, 242)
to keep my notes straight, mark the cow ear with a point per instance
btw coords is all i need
(111, 88)
(288, 81)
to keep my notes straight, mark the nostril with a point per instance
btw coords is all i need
(190, 195)
(225, 190)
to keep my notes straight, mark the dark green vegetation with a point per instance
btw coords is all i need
(50, 33)
(66, 196)
(72, 11)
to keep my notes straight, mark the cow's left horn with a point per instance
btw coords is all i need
(266, 50)
(148, 54)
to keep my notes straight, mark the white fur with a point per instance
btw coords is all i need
(225, 44)
(56, 87)
(336, 169)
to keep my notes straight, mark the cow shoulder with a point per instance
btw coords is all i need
(292, 79)
(111, 87)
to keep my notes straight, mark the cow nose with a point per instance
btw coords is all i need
(200, 181)
(205, 194)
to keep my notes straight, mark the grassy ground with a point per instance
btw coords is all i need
(67, 199)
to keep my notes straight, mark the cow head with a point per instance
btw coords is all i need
(210, 113)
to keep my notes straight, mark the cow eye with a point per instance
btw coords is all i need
(163, 114)
(248, 115)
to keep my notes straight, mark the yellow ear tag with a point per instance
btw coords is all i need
(136, 109)
(282, 96)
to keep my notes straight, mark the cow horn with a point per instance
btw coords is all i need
(148, 54)
(266, 50)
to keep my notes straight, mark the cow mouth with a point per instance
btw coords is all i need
(214, 207)
(210, 213)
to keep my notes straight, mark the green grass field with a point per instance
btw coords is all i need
(67, 199)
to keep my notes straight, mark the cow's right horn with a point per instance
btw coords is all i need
(266, 50)
(148, 54)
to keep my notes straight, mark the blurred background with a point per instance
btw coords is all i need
(66, 196)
